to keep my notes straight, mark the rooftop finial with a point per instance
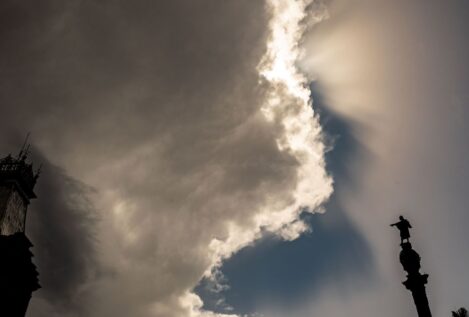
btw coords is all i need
(25, 149)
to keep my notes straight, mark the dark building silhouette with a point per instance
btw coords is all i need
(410, 261)
(18, 274)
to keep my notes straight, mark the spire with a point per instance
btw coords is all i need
(18, 171)
(25, 149)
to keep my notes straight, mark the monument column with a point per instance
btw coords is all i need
(410, 261)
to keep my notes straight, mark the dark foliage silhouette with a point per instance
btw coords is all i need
(461, 312)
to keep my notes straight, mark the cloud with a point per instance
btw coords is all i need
(160, 108)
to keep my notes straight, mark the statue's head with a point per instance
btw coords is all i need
(401, 218)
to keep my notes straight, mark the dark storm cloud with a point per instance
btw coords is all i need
(154, 104)
(119, 74)
(173, 55)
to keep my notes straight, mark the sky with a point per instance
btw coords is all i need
(240, 158)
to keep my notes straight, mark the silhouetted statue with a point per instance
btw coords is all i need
(410, 261)
(403, 225)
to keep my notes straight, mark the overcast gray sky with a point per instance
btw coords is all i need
(175, 133)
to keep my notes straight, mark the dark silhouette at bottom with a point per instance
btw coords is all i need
(461, 312)
(18, 275)
(410, 261)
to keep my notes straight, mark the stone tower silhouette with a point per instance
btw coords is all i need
(410, 261)
(18, 275)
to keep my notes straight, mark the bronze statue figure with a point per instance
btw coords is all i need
(403, 225)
